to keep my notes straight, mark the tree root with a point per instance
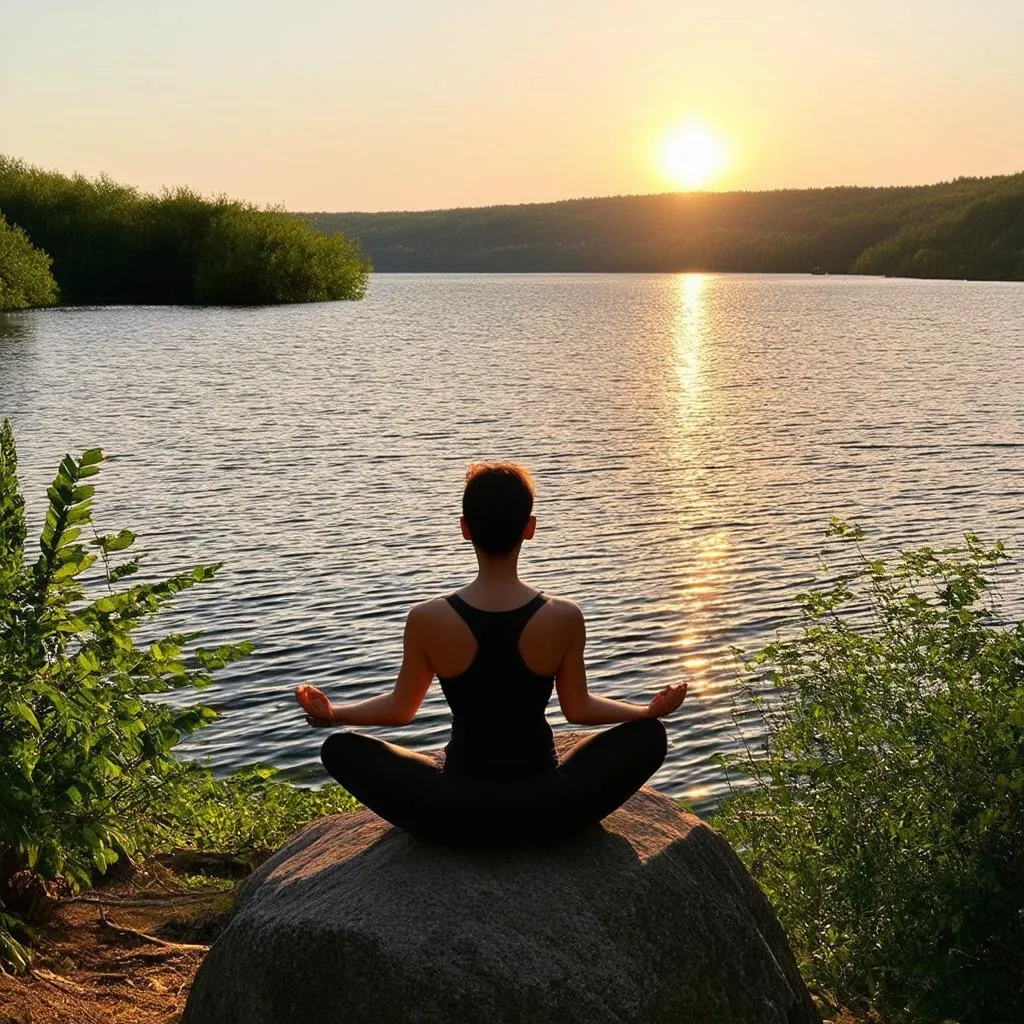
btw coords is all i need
(155, 940)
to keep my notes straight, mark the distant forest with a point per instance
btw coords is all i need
(968, 228)
(75, 240)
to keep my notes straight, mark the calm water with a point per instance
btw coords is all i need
(690, 435)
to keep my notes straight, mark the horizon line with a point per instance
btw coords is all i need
(680, 194)
(687, 194)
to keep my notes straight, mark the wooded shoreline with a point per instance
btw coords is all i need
(967, 228)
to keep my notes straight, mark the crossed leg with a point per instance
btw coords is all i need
(409, 790)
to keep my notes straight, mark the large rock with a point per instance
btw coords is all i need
(649, 917)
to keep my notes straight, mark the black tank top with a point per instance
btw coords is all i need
(498, 726)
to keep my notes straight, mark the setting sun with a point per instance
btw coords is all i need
(692, 156)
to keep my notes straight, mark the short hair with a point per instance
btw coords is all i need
(497, 504)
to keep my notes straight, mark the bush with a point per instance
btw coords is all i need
(258, 258)
(247, 813)
(87, 771)
(25, 278)
(885, 818)
(113, 244)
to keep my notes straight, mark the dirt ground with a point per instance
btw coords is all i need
(124, 955)
(128, 954)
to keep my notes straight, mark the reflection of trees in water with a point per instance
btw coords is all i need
(13, 326)
(15, 330)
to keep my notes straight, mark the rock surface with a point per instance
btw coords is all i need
(650, 917)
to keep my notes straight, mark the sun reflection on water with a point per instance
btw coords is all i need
(705, 547)
(700, 589)
(690, 328)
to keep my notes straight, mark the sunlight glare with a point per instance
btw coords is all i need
(689, 333)
(692, 156)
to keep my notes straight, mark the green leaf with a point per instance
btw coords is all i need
(117, 541)
(91, 457)
(121, 572)
(59, 496)
(218, 657)
(68, 537)
(80, 514)
(91, 837)
(24, 712)
(67, 571)
(68, 470)
(87, 662)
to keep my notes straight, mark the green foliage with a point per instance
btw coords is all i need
(249, 812)
(983, 240)
(25, 278)
(964, 228)
(270, 257)
(112, 244)
(88, 775)
(85, 755)
(885, 818)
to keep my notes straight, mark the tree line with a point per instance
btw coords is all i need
(77, 240)
(93, 241)
(968, 228)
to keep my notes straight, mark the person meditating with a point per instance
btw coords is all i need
(498, 647)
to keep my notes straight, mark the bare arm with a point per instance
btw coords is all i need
(394, 708)
(581, 707)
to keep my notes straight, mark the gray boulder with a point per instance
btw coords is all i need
(650, 917)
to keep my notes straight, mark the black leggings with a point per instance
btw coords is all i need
(411, 790)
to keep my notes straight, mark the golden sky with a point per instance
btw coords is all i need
(409, 104)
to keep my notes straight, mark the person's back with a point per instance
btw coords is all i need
(499, 695)
(498, 647)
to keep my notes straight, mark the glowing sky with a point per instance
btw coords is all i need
(415, 104)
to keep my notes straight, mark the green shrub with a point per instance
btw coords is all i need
(885, 817)
(87, 771)
(113, 244)
(25, 278)
(247, 813)
(84, 754)
(253, 257)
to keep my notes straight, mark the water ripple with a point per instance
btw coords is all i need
(690, 435)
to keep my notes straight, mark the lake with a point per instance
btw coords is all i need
(691, 435)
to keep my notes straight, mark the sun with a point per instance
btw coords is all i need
(692, 156)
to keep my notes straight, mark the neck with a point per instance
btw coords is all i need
(497, 571)
(497, 586)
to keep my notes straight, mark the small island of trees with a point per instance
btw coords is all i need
(81, 241)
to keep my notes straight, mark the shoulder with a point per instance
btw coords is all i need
(429, 611)
(563, 608)
(565, 613)
(425, 621)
